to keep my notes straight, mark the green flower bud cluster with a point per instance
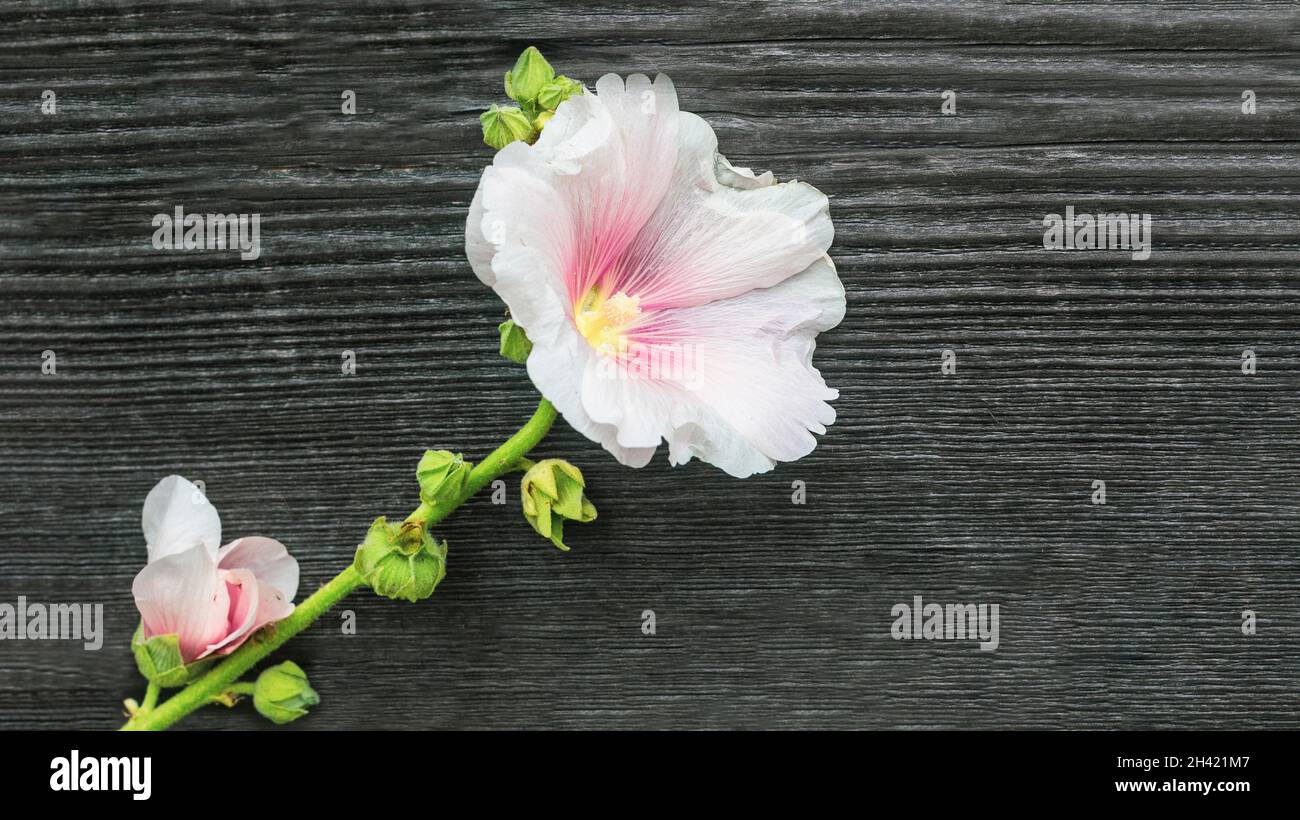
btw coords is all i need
(401, 561)
(282, 693)
(533, 84)
(552, 492)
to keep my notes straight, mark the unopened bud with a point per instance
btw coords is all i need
(552, 491)
(282, 693)
(557, 91)
(530, 74)
(442, 476)
(401, 561)
(502, 126)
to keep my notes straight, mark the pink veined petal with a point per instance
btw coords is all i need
(732, 382)
(267, 558)
(637, 206)
(600, 169)
(181, 594)
(177, 516)
(656, 211)
(624, 186)
(754, 366)
(708, 240)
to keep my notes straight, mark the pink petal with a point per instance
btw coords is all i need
(177, 516)
(272, 606)
(266, 558)
(253, 605)
(242, 587)
(181, 594)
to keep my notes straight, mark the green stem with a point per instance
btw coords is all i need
(224, 675)
(503, 459)
(150, 697)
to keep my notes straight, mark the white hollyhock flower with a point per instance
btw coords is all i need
(669, 296)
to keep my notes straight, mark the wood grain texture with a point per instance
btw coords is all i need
(1072, 366)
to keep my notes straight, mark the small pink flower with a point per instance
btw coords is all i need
(669, 296)
(212, 598)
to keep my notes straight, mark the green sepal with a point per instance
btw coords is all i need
(515, 344)
(159, 660)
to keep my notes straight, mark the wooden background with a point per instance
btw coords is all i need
(1072, 366)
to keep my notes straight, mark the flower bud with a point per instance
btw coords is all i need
(552, 492)
(502, 126)
(540, 121)
(515, 344)
(531, 72)
(159, 660)
(401, 561)
(442, 476)
(282, 693)
(557, 91)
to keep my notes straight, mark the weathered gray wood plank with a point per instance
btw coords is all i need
(973, 487)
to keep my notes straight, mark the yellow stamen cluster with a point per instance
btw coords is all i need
(604, 321)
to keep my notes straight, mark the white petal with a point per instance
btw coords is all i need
(530, 286)
(742, 178)
(581, 125)
(754, 361)
(181, 594)
(552, 368)
(715, 442)
(177, 516)
(622, 191)
(477, 246)
(595, 177)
